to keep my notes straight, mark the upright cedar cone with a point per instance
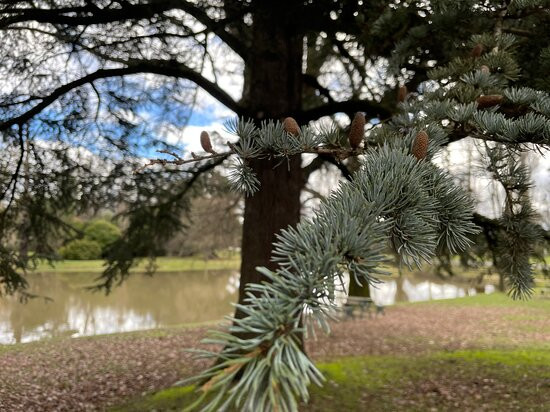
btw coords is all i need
(205, 142)
(402, 94)
(291, 126)
(420, 145)
(477, 50)
(357, 130)
(485, 69)
(489, 100)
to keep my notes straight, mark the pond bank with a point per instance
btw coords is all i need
(162, 264)
(94, 373)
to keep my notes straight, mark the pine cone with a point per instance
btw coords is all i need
(420, 145)
(485, 69)
(291, 126)
(489, 100)
(402, 94)
(357, 130)
(477, 50)
(205, 142)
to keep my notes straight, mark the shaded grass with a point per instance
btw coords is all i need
(468, 380)
(163, 264)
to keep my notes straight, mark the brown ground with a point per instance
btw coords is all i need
(92, 373)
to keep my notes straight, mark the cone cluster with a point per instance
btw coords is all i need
(420, 145)
(290, 125)
(489, 100)
(357, 130)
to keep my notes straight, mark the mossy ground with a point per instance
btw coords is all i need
(463, 380)
(511, 375)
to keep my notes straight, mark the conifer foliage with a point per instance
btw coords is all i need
(398, 198)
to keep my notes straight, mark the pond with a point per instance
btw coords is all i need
(166, 299)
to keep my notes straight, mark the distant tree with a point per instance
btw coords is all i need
(90, 239)
(213, 222)
(101, 231)
(81, 249)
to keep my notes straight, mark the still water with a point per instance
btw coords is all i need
(166, 299)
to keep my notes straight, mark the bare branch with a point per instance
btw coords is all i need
(372, 110)
(14, 176)
(162, 67)
(91, 14)
(331, 155)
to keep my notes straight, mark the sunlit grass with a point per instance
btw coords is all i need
(162, 264)
(493, 299)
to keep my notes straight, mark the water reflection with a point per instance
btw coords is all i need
(407, 290)
(142, 302)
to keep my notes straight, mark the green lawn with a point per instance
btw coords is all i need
(475, 379)
(464, 380)
(493, 299)
(164, 264)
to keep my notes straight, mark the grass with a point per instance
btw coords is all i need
(476, 379)
(493, 299)
(164, 264)
(469, 380)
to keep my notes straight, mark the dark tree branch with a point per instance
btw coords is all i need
(315, 194)
(346, 55)
(461, 133)
(372, 110)
(180, 70)
(217, 28)
(493, 224)
(161, 67)
(14, 176)
(312, 81)
(90, 14)
(519, 32)
(314, 165)
(320, 160)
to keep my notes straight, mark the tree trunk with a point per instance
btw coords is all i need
(272, 90)
(358, 290)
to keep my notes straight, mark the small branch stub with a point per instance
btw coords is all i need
(485, 69)
(291, 126)
(489, 100)
(477, 50)
(420, 145)
(206, 143)
(357, 130)
(402, 94)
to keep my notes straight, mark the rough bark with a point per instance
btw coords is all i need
(272, 90)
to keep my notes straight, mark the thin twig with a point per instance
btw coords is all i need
(338, 153)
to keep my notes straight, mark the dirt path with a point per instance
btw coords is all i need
(92, 373)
